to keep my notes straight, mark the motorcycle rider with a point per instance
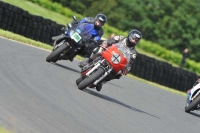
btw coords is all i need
(98, 22)
(128, 42)
(196, 82)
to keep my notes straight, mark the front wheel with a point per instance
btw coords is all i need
(90, 80)
(54, 56)
(193, 104)
(79, 80)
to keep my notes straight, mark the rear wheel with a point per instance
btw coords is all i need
(90, 80)
(54, 56)
(193, 104)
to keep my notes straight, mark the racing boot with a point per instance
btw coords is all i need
(99, 86)
(72, 57)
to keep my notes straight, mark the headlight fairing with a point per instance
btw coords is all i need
(116, 58)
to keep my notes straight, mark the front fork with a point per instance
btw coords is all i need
(55, 46)
(96, 66)
(64, 53)
(102, 77)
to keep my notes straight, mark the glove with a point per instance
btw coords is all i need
(104, 45)
(125, 71)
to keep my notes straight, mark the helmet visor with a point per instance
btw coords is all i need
(135, 37)
(98, 23)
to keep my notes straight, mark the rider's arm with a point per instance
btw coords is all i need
(97, 38)
(113, 40)
(128, 67)
(132, 59)
(96, 41)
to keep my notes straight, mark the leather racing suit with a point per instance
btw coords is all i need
(96, 34)
(121, 40)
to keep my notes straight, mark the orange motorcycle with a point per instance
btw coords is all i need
(106, 66)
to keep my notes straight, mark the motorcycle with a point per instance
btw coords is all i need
(67, 45)
(104, 67)
(193, 98)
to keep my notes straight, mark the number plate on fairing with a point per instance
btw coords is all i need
(76, 37)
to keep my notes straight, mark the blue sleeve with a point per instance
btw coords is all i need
(97, 38)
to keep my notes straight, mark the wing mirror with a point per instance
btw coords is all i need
(74, 17)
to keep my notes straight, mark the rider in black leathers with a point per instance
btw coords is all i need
(128, 43)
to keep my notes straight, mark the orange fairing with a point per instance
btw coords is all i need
(115, 58)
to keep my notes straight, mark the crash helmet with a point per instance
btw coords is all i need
(101, 18)
(133, 38)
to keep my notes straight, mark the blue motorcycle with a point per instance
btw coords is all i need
(193, 98)
(67, 45)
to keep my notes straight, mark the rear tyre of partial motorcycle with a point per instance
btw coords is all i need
(90, 80)
(193, 104)
(53, 57)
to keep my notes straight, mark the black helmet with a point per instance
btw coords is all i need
(134, 34)
(101, 18)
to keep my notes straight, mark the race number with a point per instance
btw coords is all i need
(76, 37)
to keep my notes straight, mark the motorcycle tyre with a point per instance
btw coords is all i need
(53, 57)
(79, 80)
(193, 104)
(88, 81)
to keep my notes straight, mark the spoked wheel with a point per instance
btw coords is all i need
(90, 80)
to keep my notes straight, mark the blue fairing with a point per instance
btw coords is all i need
(87, 31)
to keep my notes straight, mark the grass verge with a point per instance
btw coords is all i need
(40, 11)
(3, 130)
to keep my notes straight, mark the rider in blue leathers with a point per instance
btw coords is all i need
(97, 32)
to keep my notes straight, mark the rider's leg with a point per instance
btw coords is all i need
(114, 76)
(90, 56)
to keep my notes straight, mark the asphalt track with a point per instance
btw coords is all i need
(40, 97)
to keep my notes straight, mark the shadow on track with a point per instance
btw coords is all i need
(74, 70)
(195, 114)
(71, 69)
(114, 85)
(116, 101)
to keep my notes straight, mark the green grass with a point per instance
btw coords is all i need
(3, 130)
(40, 11)
(10, 35)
